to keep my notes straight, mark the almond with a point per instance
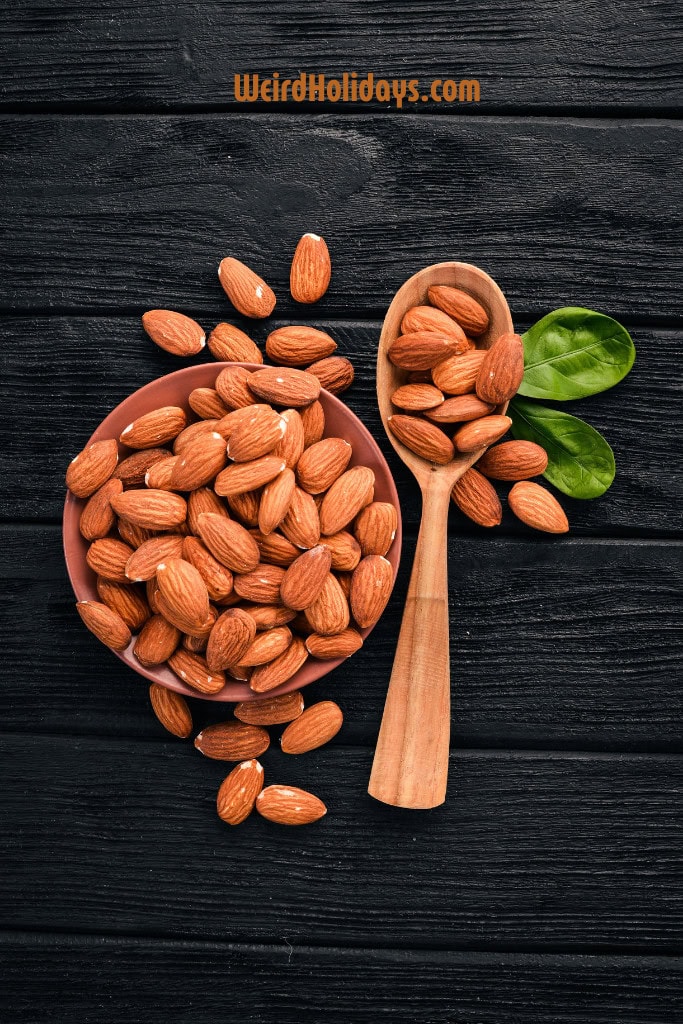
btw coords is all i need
(246, 506)
(298, 345)
(199, 463)
(351, 492)
(266, 647)
(108, 558)
(232, 741)
(172, 710)
(423, 438)
(132, 534)
(470, 314)
(513, 460)
(218, 579)
(313, 420)
(427, 318)
(192, 433)
(125, 600)
(156, 641)
(230, 638)
(228, 344)
(309, 275)
(229, 542)
(159, 476)
(481, 433)
(271, 710)
(329, 648)
(335, 373)
(287, 805)
(132, 471)
(105, 624)
(233, 419)
(460, 409)
(275, 501)
(193, 670)
(329, 613)
(261, 585)
(184, 591)
(183, 622)
(97, 518)
(92, 467)
(248, 476)
(322, 463)
(231, 386)
(417, 397)
(283, 385)
(315, 727)
(174, 332)
(421, 350)
(195, 644)
(419, 377)
(305, 578)
(537, 508)
(376, 527)
(458, 375)
(203, 500)
(282, 668)
(237, 794)
(501, 370)
(371, 586)
(269, 616)
(154, 428)
(292, 444)
(301, 525)
(207, 403)
(249, 293)
(153, 509)
(152, 592)
(477, 498)
(256, 434)
(275, 548)
(142, 563)
(344, 549)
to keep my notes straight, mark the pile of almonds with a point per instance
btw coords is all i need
(450, 384)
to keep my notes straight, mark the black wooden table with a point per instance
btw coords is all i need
(547, 889)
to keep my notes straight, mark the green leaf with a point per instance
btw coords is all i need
(574, 352)
(580, 462)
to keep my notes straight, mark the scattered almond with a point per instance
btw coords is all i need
(316, 726)
(335, 373)
(249, 293)
(287, 805)
(228, 344)
(297, 346)
(105, 624)
(477, 498)
(238, 792)
(174, 332)
(309, 276)
(271, 710)
(537, 507)
(232, 741)
(481, 433)
(172, 710)
(283, 385)
(513, 460)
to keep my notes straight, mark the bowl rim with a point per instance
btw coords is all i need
(72, 540)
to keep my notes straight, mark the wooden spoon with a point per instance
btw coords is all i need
(410, 768)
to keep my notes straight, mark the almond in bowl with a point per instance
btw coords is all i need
(272, 509)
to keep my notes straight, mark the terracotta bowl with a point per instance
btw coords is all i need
(173, 390)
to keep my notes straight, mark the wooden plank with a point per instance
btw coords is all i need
(552, 645)
(63, 375)
(161, 982)
(527, 55)
(136, 212)
(122, 837)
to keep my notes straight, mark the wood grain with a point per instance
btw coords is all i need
(143, 981)
(570, 644)
(62, 375)
(527, 55)
(570, 849)
(127, 213)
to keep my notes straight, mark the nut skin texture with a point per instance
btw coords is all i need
(172, 711)
(340, 645)
(108, 558)
(105, 624)
(285, 386)
(513, 460)
(268, 677)
(156, 641)
(311, 269)
(142, 563)
(501, 370)
(465, 310)
(241, 477)
(228, 344)
(371, 586)
(322, 464)
(427, 318)
(271, 710)
(249, 293)
(174, 332)
(305, 578)
(458, 375)
(153, 429)
(152, 509)
(237, 795)
(318, 724)
(232, 635)
(193, 670)
(376, 528)
(335, 373)
(481, 433)
(351, 492)
(477, 498)
(422, 350)
(459, 409)
(91, 468)
(417, 397)
(423, 438)
(184, 591)
(232, 741)
(288, 805)
(537, 507)
(297, 346)
(97, 518)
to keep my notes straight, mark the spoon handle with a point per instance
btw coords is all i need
(410, 768)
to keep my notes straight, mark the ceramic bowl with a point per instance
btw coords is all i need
(174, 390)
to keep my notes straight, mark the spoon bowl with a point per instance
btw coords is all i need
(410, 767)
